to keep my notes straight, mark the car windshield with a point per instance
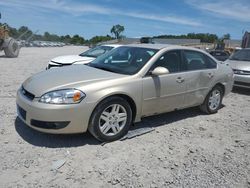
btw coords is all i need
(242, 55)
(124, 60)
(97, 51)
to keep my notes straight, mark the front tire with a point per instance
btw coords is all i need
(213, 101)
(111, 119)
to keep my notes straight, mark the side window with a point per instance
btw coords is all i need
(211, 64)
(194, 60)
(170, 60)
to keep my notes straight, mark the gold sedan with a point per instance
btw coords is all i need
(130, 82)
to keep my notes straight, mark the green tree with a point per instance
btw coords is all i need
(66, 39)
(204, 37)
(227, 36)
(97, 39)
(46, 36)
(76, 39)
(24, 32)
(51, 37)
(117, 30)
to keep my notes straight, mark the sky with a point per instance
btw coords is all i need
(89, 18)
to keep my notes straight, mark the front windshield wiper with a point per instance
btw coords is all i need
(102, 68)
(83, 55)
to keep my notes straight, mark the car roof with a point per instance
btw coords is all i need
(164, 46)
(157, 46)
(153, 46)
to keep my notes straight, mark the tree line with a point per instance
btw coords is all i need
(25, 33)
(204, 37)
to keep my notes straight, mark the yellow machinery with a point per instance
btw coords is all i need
(8, 44)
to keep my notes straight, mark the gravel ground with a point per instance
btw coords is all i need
(186, 149)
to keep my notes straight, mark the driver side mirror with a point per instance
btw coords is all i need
(160, 71)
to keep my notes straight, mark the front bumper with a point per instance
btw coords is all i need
(51, 118)
(242, 80)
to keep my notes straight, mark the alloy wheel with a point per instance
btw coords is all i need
(112, 120)
(214, 99)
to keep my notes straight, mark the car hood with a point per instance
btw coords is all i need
(70, 59)
(240, 65)
(66, 77)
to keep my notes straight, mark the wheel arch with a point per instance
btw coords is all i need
(126, 97)
(204, 107)
(221, 86)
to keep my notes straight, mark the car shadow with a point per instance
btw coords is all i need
(75, 140)
(167, 118)
(37, 138)
(242, 91)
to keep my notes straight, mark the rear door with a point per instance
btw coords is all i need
(200, 70)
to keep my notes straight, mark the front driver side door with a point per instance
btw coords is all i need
(165, 92)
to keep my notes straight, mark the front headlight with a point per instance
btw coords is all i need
(64, 96)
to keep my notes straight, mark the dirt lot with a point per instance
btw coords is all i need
(186, 149)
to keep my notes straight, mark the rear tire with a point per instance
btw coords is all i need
(12, 49)
(111, 119)
(213, 101)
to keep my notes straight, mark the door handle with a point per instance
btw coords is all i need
(180, 79)
(210, 75)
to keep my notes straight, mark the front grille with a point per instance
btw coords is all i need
(242, 83)
(241, 72)
(21, 112)
(27, 94)
(49, 125)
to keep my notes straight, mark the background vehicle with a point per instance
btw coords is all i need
(240, 63)
(130, 82)
(220, 55)
(82, 58)
(8, 44)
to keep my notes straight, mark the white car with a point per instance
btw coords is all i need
(83, 58)
(240, 63)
